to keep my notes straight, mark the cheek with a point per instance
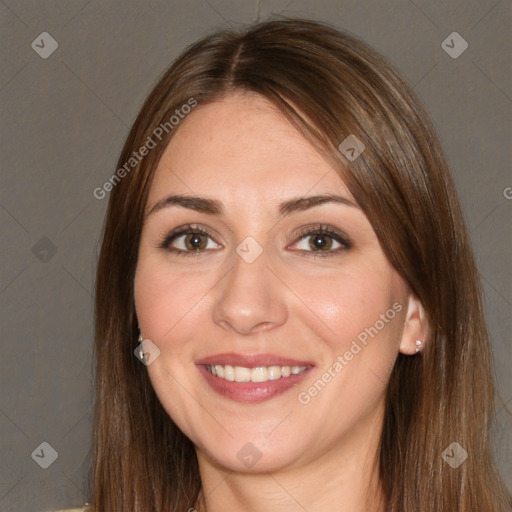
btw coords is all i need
(167, 302)
(342, 306)
(170, 310)
(355, 319)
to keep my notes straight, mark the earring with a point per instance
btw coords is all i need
(141, 347)
(419, 343)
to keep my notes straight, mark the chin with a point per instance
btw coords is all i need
(259, 455)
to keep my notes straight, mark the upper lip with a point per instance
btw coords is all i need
(251, 360)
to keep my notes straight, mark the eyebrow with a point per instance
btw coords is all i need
(214, 207)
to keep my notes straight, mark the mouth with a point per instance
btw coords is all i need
(252, 378)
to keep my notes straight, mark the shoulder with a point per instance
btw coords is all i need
(85, 508)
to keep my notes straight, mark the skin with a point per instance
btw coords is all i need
(290, 301)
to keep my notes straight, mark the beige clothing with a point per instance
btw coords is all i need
(85, 508)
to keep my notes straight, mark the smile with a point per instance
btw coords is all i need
(256, 374)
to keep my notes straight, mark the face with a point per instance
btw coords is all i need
(289, 300)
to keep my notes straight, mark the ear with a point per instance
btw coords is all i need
(415, 327)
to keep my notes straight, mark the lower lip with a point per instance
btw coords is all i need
(252, 392)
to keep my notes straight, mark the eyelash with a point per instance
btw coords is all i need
(320, 229)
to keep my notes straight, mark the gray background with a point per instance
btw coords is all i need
(64, 119)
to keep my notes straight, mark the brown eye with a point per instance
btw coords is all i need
(192, 242)
(189, 240)
(320, 242)
(196, 241)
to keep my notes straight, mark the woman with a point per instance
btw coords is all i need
(288, 312)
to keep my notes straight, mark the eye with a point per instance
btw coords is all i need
(189, 240)
(322, 240)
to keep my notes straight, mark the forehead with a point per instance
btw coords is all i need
(242, 144)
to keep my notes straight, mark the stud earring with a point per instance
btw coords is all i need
(419, 343)
(141, 347)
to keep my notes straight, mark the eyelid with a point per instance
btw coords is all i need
(321, 228)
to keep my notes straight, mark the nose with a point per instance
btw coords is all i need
(250, 299)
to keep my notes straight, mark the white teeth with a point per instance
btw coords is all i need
(257, 374)
(229, 373)
(274, 372)
(242, 374)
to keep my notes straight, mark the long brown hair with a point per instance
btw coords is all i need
(329, 85)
